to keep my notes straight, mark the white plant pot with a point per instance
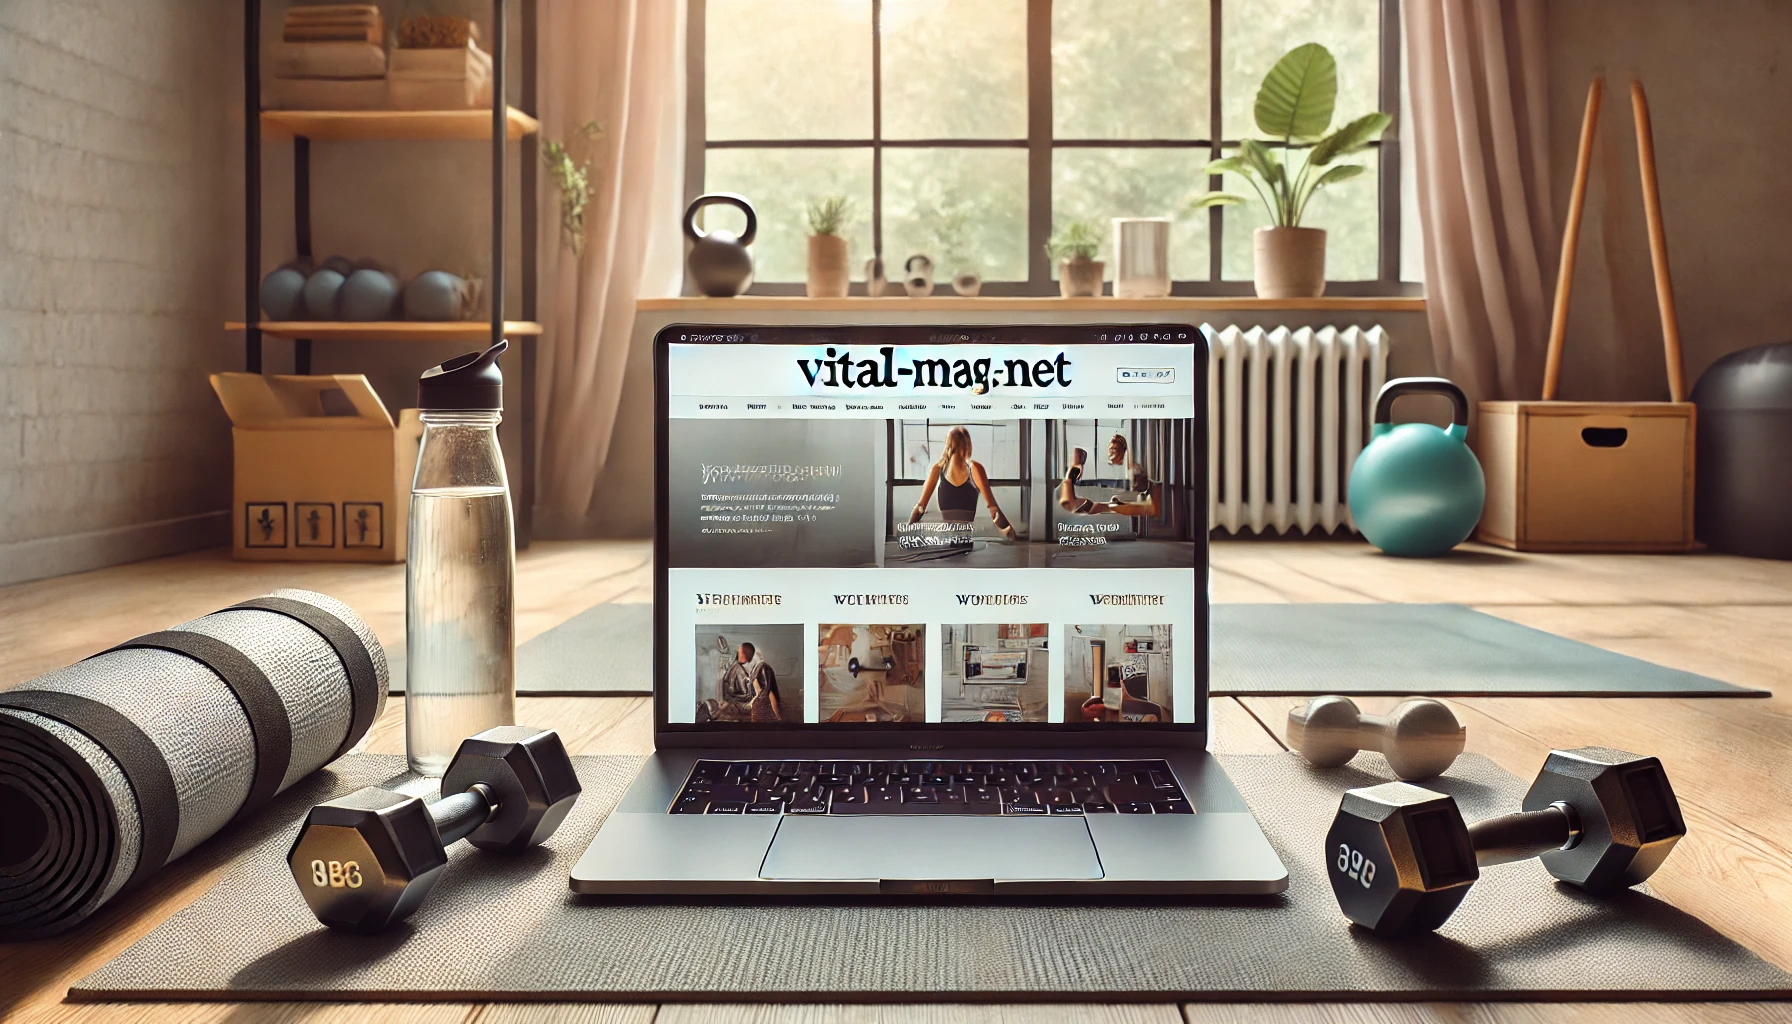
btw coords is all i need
(1141, 257)
(1290, 263)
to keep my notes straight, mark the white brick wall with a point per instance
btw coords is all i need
(115, 125)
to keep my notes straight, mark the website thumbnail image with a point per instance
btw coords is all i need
(990, 673)
(966, 491)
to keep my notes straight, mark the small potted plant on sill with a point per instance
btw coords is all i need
(1294, 109)
(1074, 250)
(828, 273)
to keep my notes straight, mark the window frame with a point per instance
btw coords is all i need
(1040, 144)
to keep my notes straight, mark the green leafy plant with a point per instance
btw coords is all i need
(1294, 110)
(1077, 240)
(828, 214)
(572, 176)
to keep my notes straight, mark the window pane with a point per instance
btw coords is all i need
(1096, 185)
(955, 69)
(762, 63)
(965, 208)
(780, 184)
(1255, 35)
(1347, 212)
(1130, 69)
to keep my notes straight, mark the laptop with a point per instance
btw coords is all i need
(931, 617)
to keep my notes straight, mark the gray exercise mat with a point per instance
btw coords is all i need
(1259, 649)
(1439, 649)
(604, 651)
(509, 929)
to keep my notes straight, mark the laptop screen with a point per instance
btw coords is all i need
(996, 529)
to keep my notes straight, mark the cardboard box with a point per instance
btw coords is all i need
(1587, 476)
(322, 473)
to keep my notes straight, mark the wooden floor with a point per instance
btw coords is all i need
(1731, 760)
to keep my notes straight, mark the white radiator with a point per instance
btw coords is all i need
(1287, 411)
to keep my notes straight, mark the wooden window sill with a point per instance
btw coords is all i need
(1034, 303)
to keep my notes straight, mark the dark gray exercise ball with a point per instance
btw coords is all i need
(437, 295)
(1744, 464)
(368, 295)
(283, 294)
(321, 291)
(340, 264)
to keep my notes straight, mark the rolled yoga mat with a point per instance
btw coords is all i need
(112, 767)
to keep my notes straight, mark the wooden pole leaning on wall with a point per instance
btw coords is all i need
(1658, 244)
(1577, 201)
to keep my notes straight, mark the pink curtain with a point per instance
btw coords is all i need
(1479, 139)
(619, 63)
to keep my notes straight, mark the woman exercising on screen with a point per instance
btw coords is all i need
(959, 480)
(1144, 503)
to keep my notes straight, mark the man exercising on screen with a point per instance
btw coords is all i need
(1143, 503)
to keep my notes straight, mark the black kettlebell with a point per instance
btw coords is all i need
(720, 262)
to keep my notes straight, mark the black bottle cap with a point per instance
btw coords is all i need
(471, 382)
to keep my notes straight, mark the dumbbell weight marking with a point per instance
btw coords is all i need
(1352, 864)
(336, 874)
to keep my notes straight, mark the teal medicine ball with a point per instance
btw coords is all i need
(1417, 490)
(283, 294)
(321, 291)
(368, 295)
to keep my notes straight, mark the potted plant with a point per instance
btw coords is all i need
(1074, 249)
(828, 274)
(1294, 110)
(572, 176)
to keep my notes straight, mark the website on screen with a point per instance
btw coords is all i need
(942, 533)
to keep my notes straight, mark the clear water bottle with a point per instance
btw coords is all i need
(460, 566)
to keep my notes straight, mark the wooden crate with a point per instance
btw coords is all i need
(1587, 476)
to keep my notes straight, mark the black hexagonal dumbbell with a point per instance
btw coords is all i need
(1401, 859)
(367, 860)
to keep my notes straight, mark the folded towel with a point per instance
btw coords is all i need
(325, 94)
(328, 60)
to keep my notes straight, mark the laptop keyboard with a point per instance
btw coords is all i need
(1014, 788)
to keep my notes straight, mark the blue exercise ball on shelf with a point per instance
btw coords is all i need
(1416, 489)
(438, 295)
(321, 291)
(283, 294)
(368, 295)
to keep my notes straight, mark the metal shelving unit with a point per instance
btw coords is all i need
(304, 126)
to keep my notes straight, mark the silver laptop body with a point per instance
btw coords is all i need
(859, 691)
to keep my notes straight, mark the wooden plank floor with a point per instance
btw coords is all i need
(1731, 760)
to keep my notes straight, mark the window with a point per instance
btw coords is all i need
(969, 130)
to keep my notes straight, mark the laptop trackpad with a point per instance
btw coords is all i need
(946, 847)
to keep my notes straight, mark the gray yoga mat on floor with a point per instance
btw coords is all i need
(1438, 649)
(1259, 649)
(500, 928)
(604, 651)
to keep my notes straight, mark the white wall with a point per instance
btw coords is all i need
(114, 120)
(1721, 105)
